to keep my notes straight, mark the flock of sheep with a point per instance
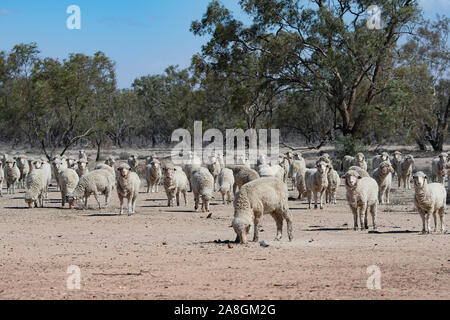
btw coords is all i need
(263, 188)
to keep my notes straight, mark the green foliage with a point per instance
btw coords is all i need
(347, 145)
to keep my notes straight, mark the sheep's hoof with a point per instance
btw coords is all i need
(315, 206)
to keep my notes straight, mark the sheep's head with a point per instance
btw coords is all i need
(241, 225)
(360, 157)
(397, 155)
(298, 156)
(10, 163)
(443, 157)
(37, 164)
(322, 167)
(82, 163)
(420, 180)
(409, 158)
(384, 156)
(386, 167)
(155, 164)
(351, 178)
(124, 170)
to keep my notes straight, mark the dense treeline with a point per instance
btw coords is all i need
(315, 71)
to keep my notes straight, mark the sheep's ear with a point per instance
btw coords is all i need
(425, 177)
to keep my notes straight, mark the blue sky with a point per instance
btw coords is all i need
(141, 36)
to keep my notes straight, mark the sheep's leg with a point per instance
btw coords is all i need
(130, 204)
(148, 187)
(427, 221)
(121, 204)
(85, 202)
(373, 211)
(321, 195)
(178, 197)
(234, 188)
(278, 216)
(422, 216)
(223, 197)
(96, 198)
(442, 217)
(107, 198)
(63, 199)
(362, 213)
(435, 219)
(387, 195)
(255, 227)
(196, 201)
(287, 215)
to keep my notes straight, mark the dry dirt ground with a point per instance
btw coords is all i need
(174, 253)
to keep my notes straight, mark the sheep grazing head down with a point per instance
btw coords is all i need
(241, 226)
(351, 178)
(420, 180)
(124, 170)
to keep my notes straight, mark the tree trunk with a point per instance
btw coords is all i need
(99, 147)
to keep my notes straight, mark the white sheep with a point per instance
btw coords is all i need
(297, 163)
(257, 198)
(214, 168)
(193, 163)
(439, 168)
(383, 177)
(396, 159)
(104, 166)
(242, 175)
(316, 181)
(333, 183)
(363, 173)
(24, 168)
(128, 184)
(82, 155)
(202, 187)
(362, 196)
(379, 159)
(82, 168)
(133, 162)
(68, 180)
(429, 199)
(37, 182)
(97, 181)
(276, 171)
(153, 175)
(226, 184)
(110, 161)
(175, 182)
(300, 182)
(404, 171)
(12, 175)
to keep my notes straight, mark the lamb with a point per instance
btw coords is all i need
(133, 162)
(242, 175)
(363, 173)
(153, 175)
(128, 184)
(37, 182)
(404, 171)
(378, 159)
(259, 197)
(362, 195)
(95, 182)
(202, 187)
(297, 163)
(175, 182)
(429, 199)
(276, 171)
(396, 159)
(316, 181)
(214, 169)
(24, 168)
(12, 175)
(439, 168)
(226, 184)
(383, 176)
(82, 168)
(333, 183)
(68, 180)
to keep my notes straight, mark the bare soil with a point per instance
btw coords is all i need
(175, 253)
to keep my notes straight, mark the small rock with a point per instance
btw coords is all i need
(164, 243)
(209, 216)
(263, 244)
(230, 246)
